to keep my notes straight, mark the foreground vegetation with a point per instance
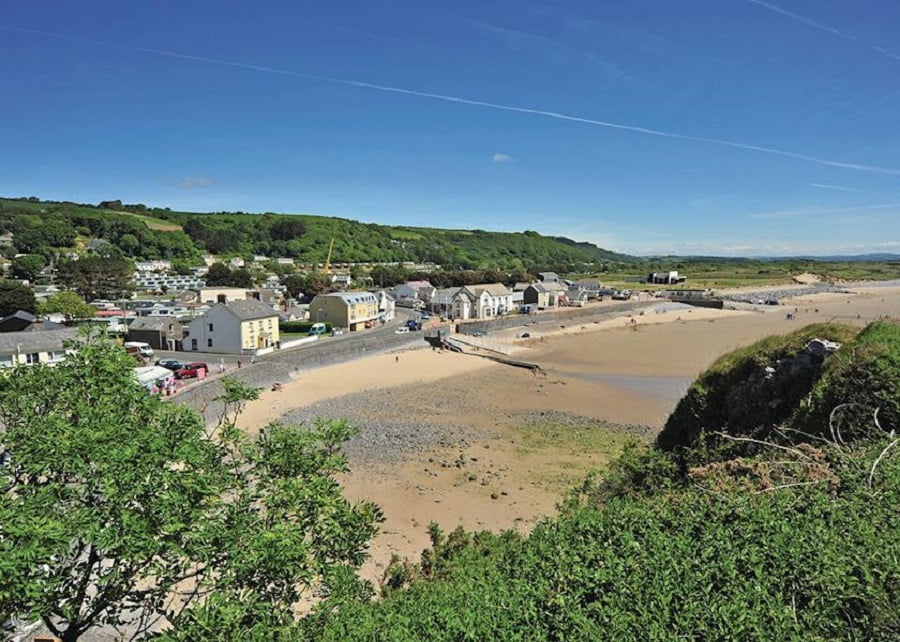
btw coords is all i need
(117, 509)
(764, 531)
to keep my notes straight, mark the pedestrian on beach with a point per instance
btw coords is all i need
(239, 364)
(397, 359)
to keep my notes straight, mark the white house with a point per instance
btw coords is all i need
(30, 348)
(423, 289)
(452, 303)
(490, 300)
(236, 327)
(386, 308)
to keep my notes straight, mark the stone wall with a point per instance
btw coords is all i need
(559, 316)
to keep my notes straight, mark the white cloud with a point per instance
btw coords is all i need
(500, 159)
(193, 182)
(839, 188)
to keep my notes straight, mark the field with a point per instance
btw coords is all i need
(740, 273)
(154, 223)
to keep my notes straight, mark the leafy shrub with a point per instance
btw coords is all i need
(296, 327)
(808, 563)
(737, 394)
(859, 380)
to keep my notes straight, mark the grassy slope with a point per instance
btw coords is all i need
(727, 552)
(153, 223)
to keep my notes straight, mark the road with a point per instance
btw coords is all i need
(281, 364)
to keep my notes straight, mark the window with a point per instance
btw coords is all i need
(32, 357)
(210, 327)
(209, 343)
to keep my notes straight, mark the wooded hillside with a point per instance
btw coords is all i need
(140, 232)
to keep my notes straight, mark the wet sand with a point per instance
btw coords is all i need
(507, 465)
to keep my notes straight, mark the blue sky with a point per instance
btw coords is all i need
(728, 127)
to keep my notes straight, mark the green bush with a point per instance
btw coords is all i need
(298, 327)
(712, 538)
(797, 563)
(738, 395)
(861, 378)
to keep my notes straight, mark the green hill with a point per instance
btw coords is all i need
(142, 232)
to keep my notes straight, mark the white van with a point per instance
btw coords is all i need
(141, 348)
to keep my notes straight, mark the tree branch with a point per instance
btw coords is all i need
(774, 488)
(879, 458)
(765, 443)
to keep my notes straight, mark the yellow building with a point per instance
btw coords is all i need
(352, 310)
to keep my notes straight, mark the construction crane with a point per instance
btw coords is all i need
(328, 258)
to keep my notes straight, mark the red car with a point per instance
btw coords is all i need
(191, 370)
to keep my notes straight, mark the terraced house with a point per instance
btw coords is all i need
(352, 310)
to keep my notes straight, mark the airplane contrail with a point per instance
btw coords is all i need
(823, 27)
(481, 103)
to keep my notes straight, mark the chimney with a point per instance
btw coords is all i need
(221, 298)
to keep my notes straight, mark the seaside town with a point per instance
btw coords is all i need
(452, 390)
(363, 322)
(177, 323)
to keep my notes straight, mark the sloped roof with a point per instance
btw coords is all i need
(494, 289)
(554, 286)
(250, 309)
(446, 295)
(20, 314)
(151, 323)
(24, 342)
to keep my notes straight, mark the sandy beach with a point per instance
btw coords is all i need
(462, 440)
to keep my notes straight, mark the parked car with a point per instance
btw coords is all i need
(401, 330)
(171, 364)
(191, 370)
(478, 333)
